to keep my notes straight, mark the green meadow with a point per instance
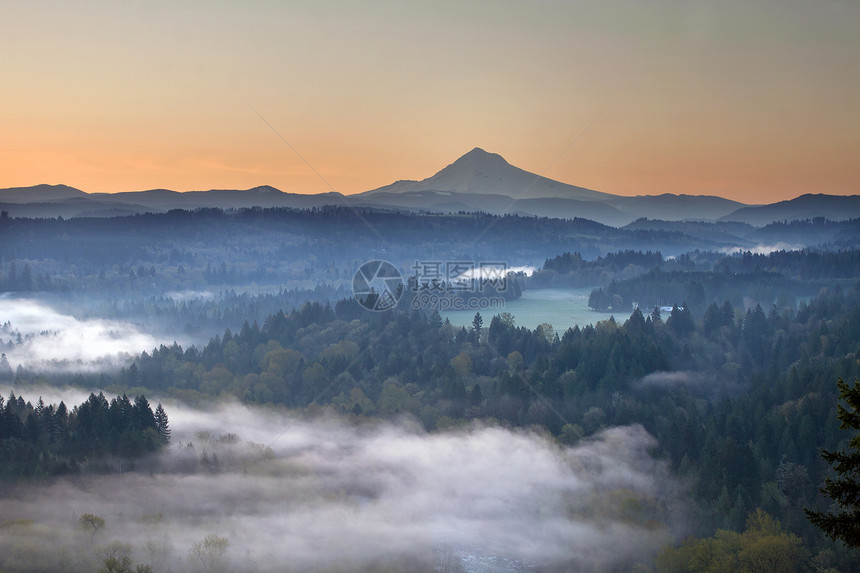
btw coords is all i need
(562, 308)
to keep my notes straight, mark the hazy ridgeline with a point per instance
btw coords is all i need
(211, 250)
(322, 494)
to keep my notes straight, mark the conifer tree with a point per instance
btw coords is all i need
(161, 423)
(6, 372)
(844, 521)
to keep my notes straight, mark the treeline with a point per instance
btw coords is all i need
(820, 232)
(698, 289)
(572, 270)
(805, 264)
(758, 270)
(147, 254)
(814, 231)
(568, 262)
(13, 280)
(209, 311)
(391, 362)
(49, 440)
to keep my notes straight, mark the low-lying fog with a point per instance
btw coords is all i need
(292, 494)
(38, 337)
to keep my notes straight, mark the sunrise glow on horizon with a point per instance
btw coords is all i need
(753, 101)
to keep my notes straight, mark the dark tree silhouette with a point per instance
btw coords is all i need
(161, 424)
(477, 324)
(844, 522)
(6, 372)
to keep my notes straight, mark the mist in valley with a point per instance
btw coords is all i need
(325, 493)
(38, 337)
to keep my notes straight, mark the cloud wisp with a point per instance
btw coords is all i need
(763, 248)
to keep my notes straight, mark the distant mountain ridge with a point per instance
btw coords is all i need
(42, 192)
(809, 206)
(60, 200)
(477, 181)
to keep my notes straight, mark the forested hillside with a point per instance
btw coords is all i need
(735, 378)
(740, 402)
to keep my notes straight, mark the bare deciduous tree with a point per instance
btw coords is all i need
(91, 522)
(210, 552)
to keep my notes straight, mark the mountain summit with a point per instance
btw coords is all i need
(481, 172)
(483, 181)
(480, 158)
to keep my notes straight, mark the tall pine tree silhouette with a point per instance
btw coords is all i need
(843, 522)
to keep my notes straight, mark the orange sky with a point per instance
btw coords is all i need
(755, 101)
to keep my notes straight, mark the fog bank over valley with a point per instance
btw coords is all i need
(323, 493)
(38, 337)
